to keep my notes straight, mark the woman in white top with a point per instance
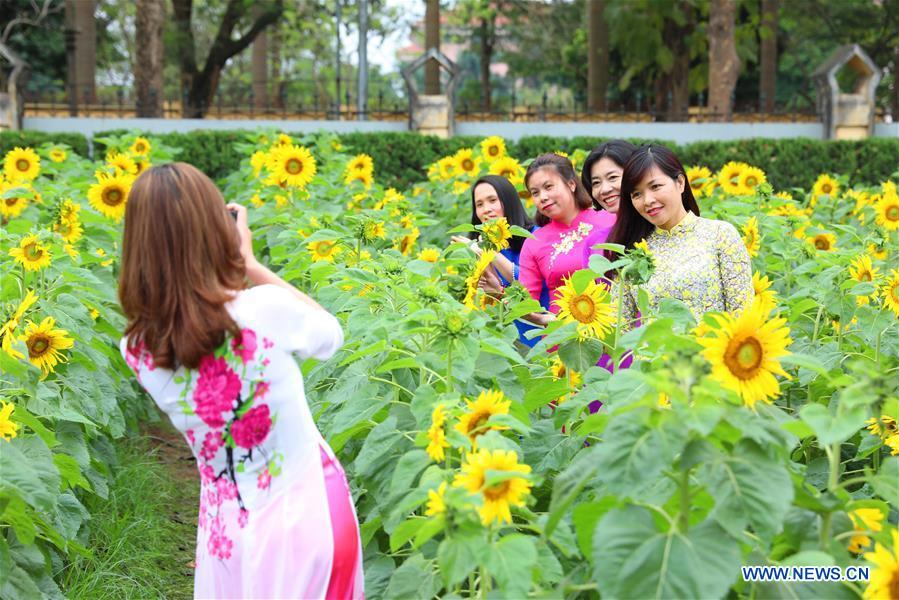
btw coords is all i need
(276, 517)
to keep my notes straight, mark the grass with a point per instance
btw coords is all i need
(143, 537)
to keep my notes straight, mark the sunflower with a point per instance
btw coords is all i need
(883, 427)
(8, 428)
(497, 233)
(591, 308)
(787, 210)
(142, 165)
(141, 146)
(751, 236)
(864, 519)
(436, 501)
(8, 329)
(507, 167)
(429, 255)
(493, 148)
(13, 206)
(474, 422)
(292, 165)
(890, 292)
(823, 241)
(31, 253)
(471, 282)
(446, 168)
(751, 178)
(499, 497)
(323, 250)
(467, 162)
(122, 163)
(884, 583)
(44, 342)
(283, 140)
(110, 194)
(729, 177)
(887, 211)
(698, 178)
(877, 252)
(862, 270)
(22, 164)
(825, 185)
(766, 297)
(58, 155)
(258, 160)
(364, 177)
(69, 229)
(406, 243)
(436, 435)
(745, 351)
(559, 371)
(361, 162)
(373, 230)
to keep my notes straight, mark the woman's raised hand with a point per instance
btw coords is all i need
(468, 242)
(243, 232)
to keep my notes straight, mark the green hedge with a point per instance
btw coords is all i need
(401, 158)
(11, 139)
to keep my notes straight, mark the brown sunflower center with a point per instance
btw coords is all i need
(493, 150)
(894, 584)
(826, 189)
(112, 196)
(865, 276)
(752, 181)
(140, 148)
(744, 357)
(498, 491)
(33, 251)
(583, 308)
(23, 164)
(468, 164)
(12, 201)
(38, 345)
(477, 421)
(294, 166)
(506, 173)
(822, 243)
(324, 248)
(892, 212)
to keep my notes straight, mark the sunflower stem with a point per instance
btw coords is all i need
(817, 322)
(683, 522)
(450, 386)
(616, 354)
(833, 483)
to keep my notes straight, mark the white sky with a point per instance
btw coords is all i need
(383, 52)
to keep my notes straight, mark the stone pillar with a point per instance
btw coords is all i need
(82, 70)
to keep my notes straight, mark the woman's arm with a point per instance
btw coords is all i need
(257, 273)
(505, 267)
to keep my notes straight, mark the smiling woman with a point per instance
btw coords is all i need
(701, 262)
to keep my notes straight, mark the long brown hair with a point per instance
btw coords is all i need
(564, 169)
(181, 262)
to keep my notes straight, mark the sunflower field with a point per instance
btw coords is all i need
(765, 439)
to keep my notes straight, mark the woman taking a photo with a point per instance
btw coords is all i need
(602, 172)
(701, 262)
(564, 245)
(276, 517)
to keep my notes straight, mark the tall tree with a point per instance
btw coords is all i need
(259, 62)
(768, 58)
(201, 84)
(432, 40)
(597, 55)
(82, 74)
(149, 58)
(724, 65)
(672, 86)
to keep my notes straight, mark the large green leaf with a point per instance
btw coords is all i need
(377, 446)
(415, 578)
(633, 559)
(27, 467)
(511, 563)
(407, 469)
(832, 429)
(748, 487)
(568, 484)
(458, 556)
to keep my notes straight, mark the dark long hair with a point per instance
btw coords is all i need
(619, 151)
(512, 208)
(565, 170)
(631, 227)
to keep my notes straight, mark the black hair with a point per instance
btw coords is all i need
(512, 208)
(619, 151)
(565, 170)
(630, 226)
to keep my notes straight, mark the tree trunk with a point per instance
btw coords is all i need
(274, 55)
(432, 40)
(487, 44)
(259, 66)
(768, 58)
(149, 58)
(80, 19)
(895, 111)
(597, 55)
(200, 86)
(724, 65)
(673, 86)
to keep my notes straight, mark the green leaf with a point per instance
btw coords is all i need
(585, 517)
(377, 446)
(830, 429)
(748, 487)
(407, 469)
(24, 417)
(415, 578)
(544, 390)
(580, 355)
(405, 531)
(568, 485)
(807, 361)
(17, 515)
(457, 556)
(70, 471)
(27, 467)
(511, 562)
(886, 482)
(633, 559)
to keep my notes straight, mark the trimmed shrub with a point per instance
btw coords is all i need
(11, 139)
